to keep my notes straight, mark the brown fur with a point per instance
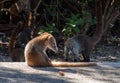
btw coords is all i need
(35, 53)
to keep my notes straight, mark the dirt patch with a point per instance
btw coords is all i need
(106, 53)
(102, 73)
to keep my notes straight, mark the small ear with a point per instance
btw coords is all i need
(49, 37)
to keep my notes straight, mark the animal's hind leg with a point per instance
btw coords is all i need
(86, 55)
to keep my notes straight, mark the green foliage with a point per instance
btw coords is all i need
(49, 28)
(76, 22)
(84, 3)
(72, 25)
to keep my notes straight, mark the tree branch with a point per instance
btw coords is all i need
(106, 7)
(4, 1)
(99, 26)
(35, 9)
(110, 11)
(111, 16)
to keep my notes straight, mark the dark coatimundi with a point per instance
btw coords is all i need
(79, 44)
(35, 53)
(82, 43)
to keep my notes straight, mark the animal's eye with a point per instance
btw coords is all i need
(70, 48)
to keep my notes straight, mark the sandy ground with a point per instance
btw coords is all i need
(19, 72)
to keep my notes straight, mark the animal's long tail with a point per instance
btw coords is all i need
(72, 64)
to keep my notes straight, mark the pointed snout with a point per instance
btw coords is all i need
(70, 52)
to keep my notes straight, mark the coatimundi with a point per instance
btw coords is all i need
(82, 43)
(77, 45)
(35, 53)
